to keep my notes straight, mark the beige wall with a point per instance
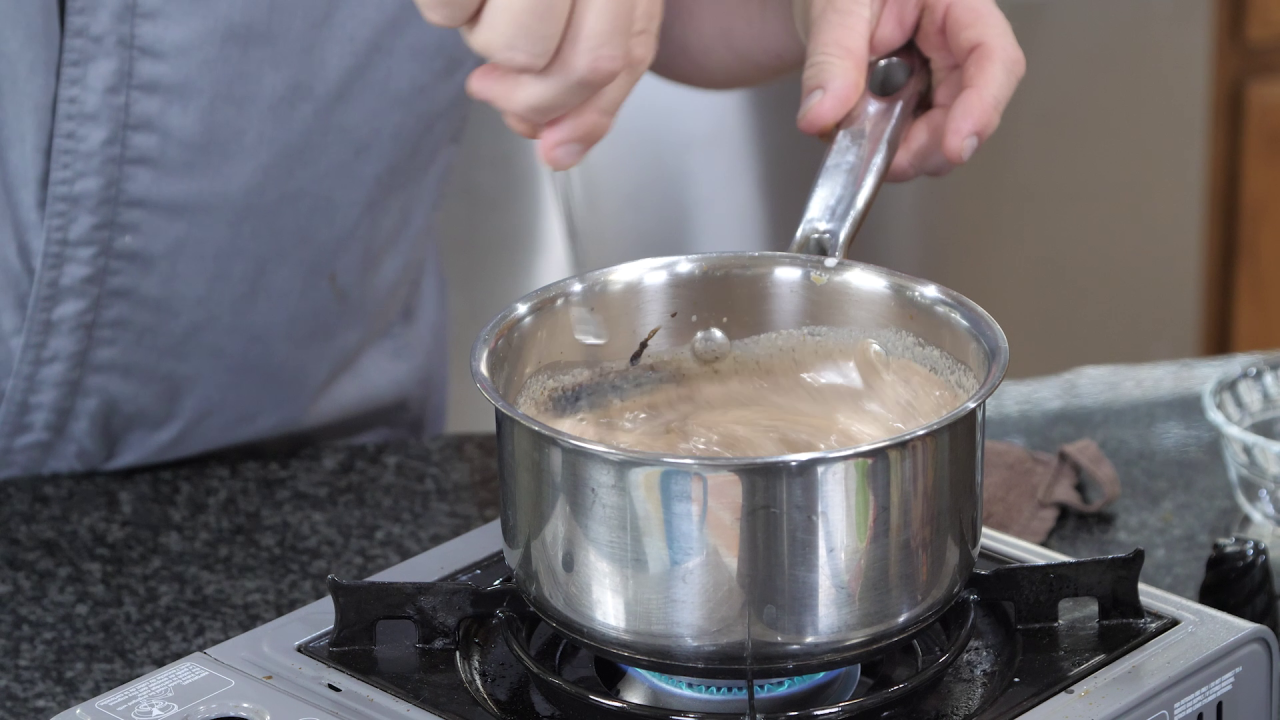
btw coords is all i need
(1080, 226)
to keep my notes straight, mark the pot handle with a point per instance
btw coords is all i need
(861, 152)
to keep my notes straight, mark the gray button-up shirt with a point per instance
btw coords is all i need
(215, 224)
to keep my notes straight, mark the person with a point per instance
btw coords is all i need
(215, 217)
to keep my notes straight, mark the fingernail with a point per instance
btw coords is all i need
(809, 101)
(567, 155)
(969, 148)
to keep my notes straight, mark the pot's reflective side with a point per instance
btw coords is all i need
(683, 560)
(679, 562)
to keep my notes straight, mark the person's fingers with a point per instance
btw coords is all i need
(947, 82)
(835, 68)
(518, 34)
(897, 23)
(920, 150)
(522, 127)
(563, 142)
(449, 13)
(594, 53)
(991, 66)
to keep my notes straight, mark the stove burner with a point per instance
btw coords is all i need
(481, 653)
(725, 688)
(675, 692)
(588, 685)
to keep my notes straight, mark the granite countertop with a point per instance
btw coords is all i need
(104, 578)
(1175, 499)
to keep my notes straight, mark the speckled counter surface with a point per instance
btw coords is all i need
(1175, 499)
(104, 578)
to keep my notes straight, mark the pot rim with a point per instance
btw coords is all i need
(986, 328)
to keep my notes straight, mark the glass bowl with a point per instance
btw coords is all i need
(1245, 408)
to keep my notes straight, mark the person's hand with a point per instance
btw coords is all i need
(975, 59)
(558, 70)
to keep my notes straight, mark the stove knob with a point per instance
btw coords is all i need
(1238, 580)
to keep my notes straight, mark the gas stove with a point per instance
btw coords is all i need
(467, 648)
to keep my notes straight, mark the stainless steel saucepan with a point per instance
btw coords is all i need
(715, 567)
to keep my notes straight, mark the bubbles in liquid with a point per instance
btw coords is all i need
(872, 360)
(710, 345)
(783, 392)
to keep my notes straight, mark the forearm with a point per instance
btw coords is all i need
(728, 43)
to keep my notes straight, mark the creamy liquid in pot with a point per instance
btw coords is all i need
(775, 394)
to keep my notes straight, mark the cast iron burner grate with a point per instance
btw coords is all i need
(469, 648)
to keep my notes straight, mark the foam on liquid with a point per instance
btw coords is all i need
(775, 394)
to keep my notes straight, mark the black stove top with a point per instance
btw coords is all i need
(468, 648)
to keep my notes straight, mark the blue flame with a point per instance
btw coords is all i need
(763, 688)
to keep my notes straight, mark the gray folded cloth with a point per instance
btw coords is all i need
(1024, 491)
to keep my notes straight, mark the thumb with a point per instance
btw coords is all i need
(835, 68)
